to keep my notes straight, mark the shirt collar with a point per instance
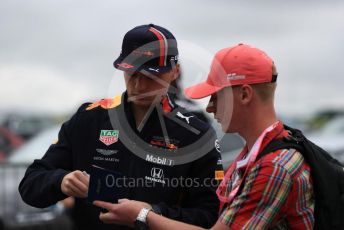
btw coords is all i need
(166, 102)
(276, 131)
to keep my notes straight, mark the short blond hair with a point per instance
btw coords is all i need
(265, 91)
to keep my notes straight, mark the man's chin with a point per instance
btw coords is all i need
(227, 129)
(143, 102)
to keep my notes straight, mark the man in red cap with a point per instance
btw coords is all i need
(273, 191)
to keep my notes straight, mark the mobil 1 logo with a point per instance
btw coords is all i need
(159, 160)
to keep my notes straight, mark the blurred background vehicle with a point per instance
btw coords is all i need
(321, 118)
(331, 137)
(26, 126)
(36, 147)
(8, 142)
(295, 122)
(14, 213)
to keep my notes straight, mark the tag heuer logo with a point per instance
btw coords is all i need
(109, 137)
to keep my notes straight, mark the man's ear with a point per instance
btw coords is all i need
(176, 72)
(246, 94)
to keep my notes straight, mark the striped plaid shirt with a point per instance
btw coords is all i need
(277, 194)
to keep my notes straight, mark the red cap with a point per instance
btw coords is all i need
(237, 65)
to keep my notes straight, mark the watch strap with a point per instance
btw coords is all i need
(142, 216)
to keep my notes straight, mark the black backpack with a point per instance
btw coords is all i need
(327, 174)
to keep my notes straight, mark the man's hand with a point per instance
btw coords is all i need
(124, 213)
(75, 184)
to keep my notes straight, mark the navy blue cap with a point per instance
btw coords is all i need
(149, 47)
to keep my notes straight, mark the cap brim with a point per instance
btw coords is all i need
(121, 65)
(201, 90)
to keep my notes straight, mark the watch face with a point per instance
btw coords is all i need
(139, 225)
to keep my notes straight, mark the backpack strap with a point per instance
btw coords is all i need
(274, 145)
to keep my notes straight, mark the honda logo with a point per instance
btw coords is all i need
(157, 173)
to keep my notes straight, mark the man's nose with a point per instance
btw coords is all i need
(136, 81)
(139, 82)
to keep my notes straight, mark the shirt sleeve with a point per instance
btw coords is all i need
(41, 184)
(266, 189)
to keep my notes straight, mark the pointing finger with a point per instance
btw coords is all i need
(106, 205)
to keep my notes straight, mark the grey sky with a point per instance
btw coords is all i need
(58, 54)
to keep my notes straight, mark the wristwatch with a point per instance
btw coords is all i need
(140, 222)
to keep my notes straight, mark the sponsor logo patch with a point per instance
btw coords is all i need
(146, 53)
(157, 175)
(174, 58)
(108, 137)
(234, 76)
(219, 175)
(179, 114)
(217, 146)
(125, 65)
(103, 158)
(155, 70)
(106, 152)
(159, 141)
(159, 160)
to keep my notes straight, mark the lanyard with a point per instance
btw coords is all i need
(240, 163)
